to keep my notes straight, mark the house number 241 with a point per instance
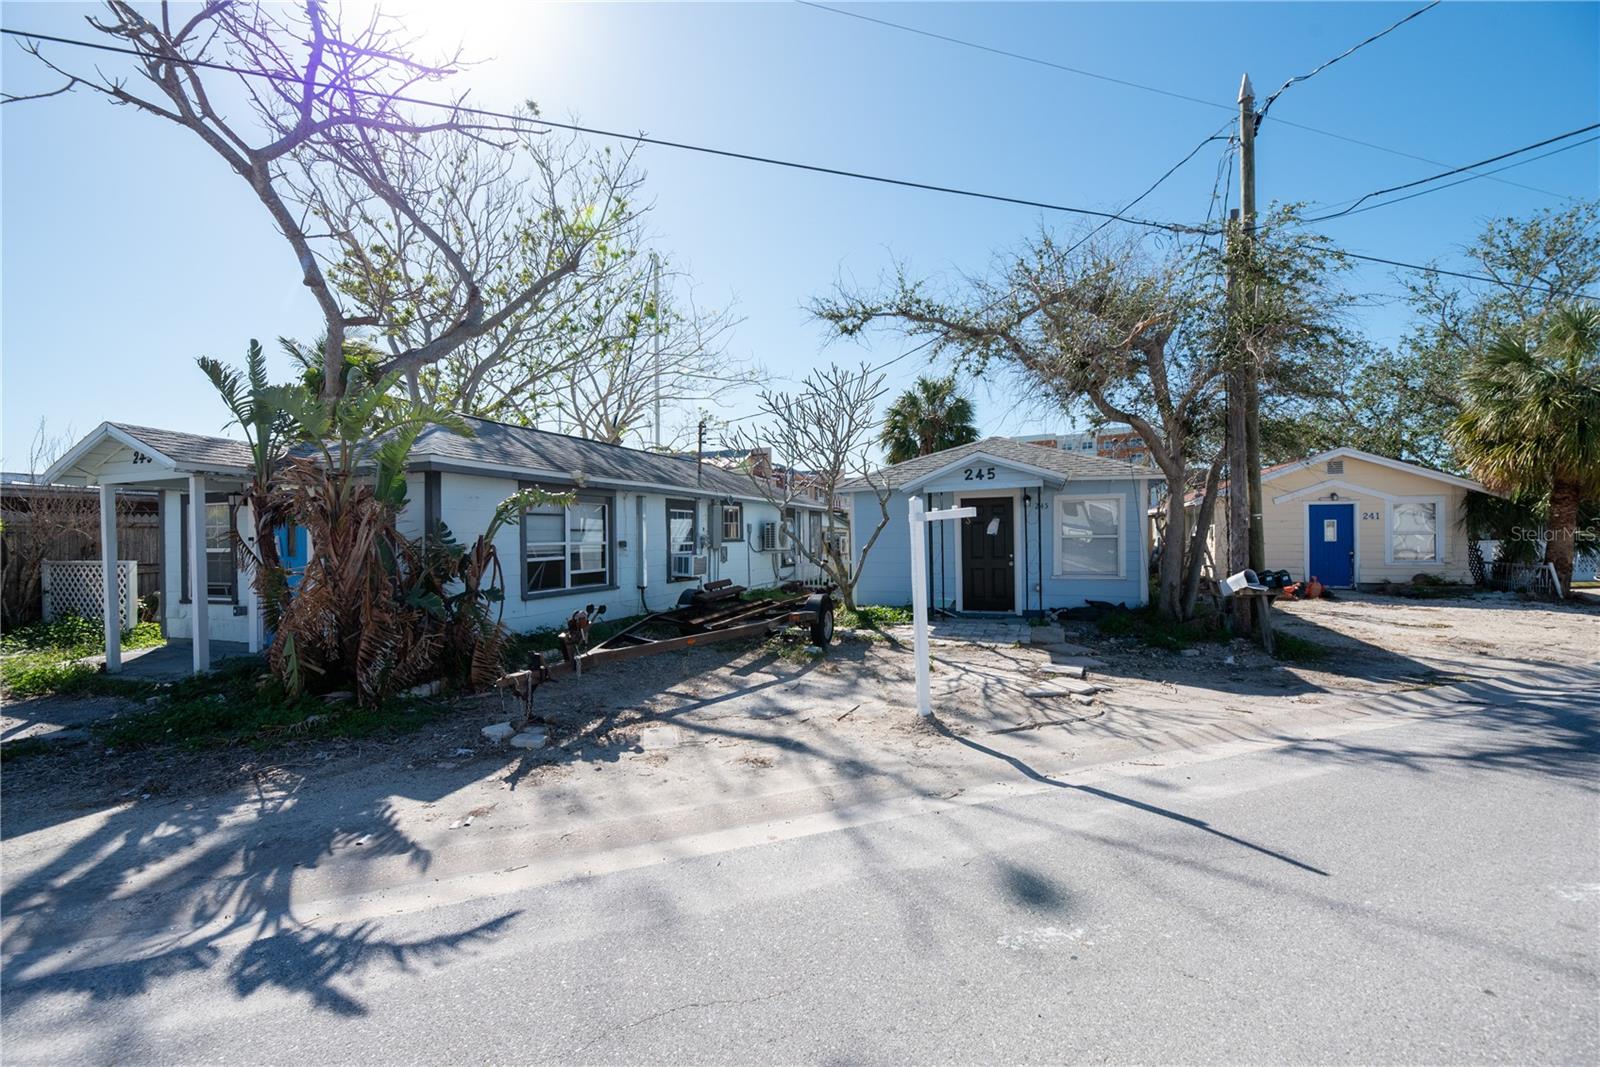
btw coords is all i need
(977, 474)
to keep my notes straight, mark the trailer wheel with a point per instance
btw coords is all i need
(822, 625)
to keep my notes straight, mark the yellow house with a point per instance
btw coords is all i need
(1351, 518)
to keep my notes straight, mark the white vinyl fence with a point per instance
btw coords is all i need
(74, 587)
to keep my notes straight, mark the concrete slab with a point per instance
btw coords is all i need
(1088, 663)
(528, 739)
(1065, 648)
(656, 738)
(500, 732)
(1069, 670)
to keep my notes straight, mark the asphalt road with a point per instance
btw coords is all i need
(1420, 892)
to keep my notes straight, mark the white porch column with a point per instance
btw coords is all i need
(199, 602)
(110, 602)
(246, 519)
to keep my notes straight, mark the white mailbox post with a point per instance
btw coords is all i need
(919, 520)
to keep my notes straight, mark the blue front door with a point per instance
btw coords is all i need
(1333, 543)
(294, 549)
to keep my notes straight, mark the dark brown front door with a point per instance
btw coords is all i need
(988, 560)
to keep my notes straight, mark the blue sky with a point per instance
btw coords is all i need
(128, 249)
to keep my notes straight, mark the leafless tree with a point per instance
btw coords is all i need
(824, 434)
(643, 349)
(326, 129)
(512, 214)
(43, 522)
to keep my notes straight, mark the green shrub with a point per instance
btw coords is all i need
(242, 703)
(1151, 628)
(1298, 649)
(46, 657)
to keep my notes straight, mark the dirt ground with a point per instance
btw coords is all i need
(748, 709)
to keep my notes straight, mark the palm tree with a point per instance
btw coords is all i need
(929, 417)
(259, 409)
(1530, 420)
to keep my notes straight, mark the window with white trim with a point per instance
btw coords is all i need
(566, 547)
(1089, 537)
(683, 539)
(221, 573)
(1414, 532)
(732, 522)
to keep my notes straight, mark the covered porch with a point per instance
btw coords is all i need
(200, 482)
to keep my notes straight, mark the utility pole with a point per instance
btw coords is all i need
(1237, 381)
(700, 454)
(655, 266)
(1252, 390)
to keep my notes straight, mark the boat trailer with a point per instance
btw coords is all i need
(718, 611)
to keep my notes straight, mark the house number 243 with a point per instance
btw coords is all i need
(977, 474)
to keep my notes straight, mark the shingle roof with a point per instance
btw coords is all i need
(192, 449)
(1068, 464)
(536, 453)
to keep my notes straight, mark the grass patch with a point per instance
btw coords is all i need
(45, 657)
(873, 616)
(241, 703)
(1298, 649)
(1149, 627)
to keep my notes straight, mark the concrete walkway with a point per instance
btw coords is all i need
(997, 631)
(174, 660)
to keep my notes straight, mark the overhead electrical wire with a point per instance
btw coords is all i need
(1231, 108)
(504, 116)
(1461, 181)
(1267, 104)
(1454, 171)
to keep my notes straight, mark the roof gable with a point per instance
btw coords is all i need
(119, 450)
(1371, 457)
(1049, 463)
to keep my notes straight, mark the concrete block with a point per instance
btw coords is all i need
(1065, 648)
(1088, 663)
(1080, 698)
(655, 738)
(499, 733)
(1069, 670)
(528, 739)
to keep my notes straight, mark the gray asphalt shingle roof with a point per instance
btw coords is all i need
(192, 449)
(540, 453)
(1068, 464)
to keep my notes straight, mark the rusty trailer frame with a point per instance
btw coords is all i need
(715, 612)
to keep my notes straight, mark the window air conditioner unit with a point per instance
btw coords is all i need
(689, 566)
(769, 537)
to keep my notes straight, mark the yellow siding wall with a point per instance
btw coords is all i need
(1285, 522)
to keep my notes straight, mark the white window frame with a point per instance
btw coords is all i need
(1391, 513)
(676, 556)
(1057, 517)
(569, 546)
(733, 514)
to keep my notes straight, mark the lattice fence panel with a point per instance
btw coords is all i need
(74, 587)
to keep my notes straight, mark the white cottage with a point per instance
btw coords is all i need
(644, 527)
(1053, 529)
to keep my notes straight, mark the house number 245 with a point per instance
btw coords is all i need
(977, 474)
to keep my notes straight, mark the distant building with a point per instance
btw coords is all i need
(1114, 441)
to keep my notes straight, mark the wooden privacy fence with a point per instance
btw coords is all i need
(75, 587)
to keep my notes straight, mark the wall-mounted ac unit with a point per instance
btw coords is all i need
(768, 542)
(689, 566)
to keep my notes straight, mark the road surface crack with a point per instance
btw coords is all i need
(664, 1012)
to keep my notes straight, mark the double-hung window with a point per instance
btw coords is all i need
(221, 573)
(567, 547)
(683, 539)
(1414, 532)
(1089, 537)
(732, 522)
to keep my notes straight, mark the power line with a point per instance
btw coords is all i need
(1262, 114)
(1130, 205)
(640, 138)
(1462, 181)
(1457, 170)
(1230, 108)
(1170, 227)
